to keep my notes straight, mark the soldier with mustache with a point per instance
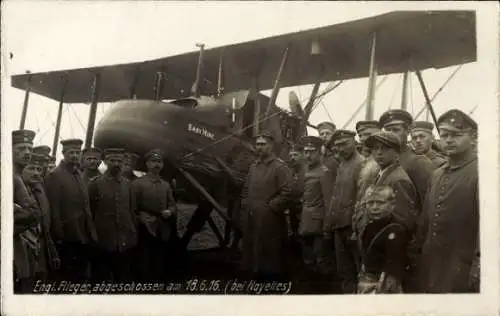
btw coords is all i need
(91, 159)
(449, 235)
(156, 209)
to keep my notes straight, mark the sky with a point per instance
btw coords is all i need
(55, 35)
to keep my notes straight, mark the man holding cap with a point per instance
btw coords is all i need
(338, 220)
(156, 207)
(419, 168)
(43, 150)
(450, 255)
(422, 140)
(325, 131)
(26, 213)
(91, 159)
(316, 196)
(265, 195)
(72, 225)
(112, 201)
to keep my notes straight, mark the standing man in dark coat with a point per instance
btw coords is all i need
(72, 227)
(91, 159)
(129, 165)
(112, 201)
(418, 167)
(265, 195)
(450, 257)
(26, 214)
(48, 258)
(315, 198)
(45, 151)
(338, 221)
(422, 140)
(155, 205)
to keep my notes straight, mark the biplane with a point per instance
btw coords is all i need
(204, 107)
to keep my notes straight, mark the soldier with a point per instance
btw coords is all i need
(295, 206)
(338, 221)
(422, 141)
(382, 244)
(265, 194)
(25, 214)
(91, 159)
(72, 227)
(386, 148)
(325, 131)
(129, 165)
(315, 198)
(418, 167)
(112, 201)
(155, 206)
(43, 150)
(48, 258)
(449, 262)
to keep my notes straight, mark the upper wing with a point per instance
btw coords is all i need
(433, 39)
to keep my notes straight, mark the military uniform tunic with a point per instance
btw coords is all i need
(26, 214)
(451, 229)
(419, 168)
(265, 195)
(437, 159)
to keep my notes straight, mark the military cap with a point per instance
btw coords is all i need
(72, 143)
(387, 138)
(311, 141)
(266, 135)
(92, 151)
(23, 136)
(457, 120)
(340, 134)
(396, 116)
(154, 153)
(422, 126)
(43, 150)
(327, 125)
(38, 159)
(113, 151)
(362, 125)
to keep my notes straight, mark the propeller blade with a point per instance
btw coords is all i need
(295, 106)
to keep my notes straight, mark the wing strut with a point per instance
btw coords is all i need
(159, 84)
(59, 116)
(25, 104)
(93, 110)
(372, 80)
(404, 93)
(427, 99)
(199, 72)
(276, 87)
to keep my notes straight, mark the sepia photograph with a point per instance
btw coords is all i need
(320, 151)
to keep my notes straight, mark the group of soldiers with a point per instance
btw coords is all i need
(396, 212)
(74, 223)
(382, 215)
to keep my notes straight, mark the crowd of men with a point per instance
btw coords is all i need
(385, 215)
(382, 215)
(73, 223)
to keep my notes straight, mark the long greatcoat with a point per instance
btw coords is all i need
(67, 193)
(26, 215)
(450, 250)
(264, 197)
